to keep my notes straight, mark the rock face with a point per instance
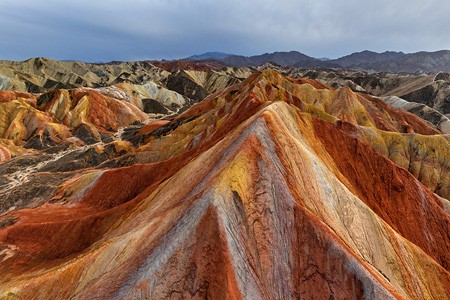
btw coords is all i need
(183, 84)
(273, 188)
(432, 90)
(50, 119)
(422, 110)
(40, 74)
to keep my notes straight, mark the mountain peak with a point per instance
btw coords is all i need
(209, 55)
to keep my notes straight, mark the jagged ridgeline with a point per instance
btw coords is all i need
(205, 181)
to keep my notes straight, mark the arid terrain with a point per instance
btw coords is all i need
(199, 179)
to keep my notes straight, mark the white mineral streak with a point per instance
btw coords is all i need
(4, 82)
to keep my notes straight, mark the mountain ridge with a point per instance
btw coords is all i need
(366, 56)
(208, 55)
(388, 61)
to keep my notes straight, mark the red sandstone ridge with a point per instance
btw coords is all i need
(273, 188)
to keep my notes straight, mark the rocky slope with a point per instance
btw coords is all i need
(431, 90)
(271, 188)
(41, 74)
(193, 80)
(425, 112)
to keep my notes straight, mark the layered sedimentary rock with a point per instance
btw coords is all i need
(55, 118)
(431, 90)
(425, 112)
(43, 74)
(273, 188)
(196, 79)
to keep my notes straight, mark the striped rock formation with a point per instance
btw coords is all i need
(273, 188)
(55, 116)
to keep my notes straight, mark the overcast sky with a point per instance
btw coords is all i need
(94, 30)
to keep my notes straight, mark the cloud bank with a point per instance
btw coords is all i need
(155, 29)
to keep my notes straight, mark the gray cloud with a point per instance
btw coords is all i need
(94, 30)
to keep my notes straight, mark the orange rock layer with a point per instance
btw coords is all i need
(57, 115)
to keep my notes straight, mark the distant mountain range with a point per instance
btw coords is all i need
(209, 55)
(389, 61)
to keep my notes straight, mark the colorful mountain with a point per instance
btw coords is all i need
(271, 188)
